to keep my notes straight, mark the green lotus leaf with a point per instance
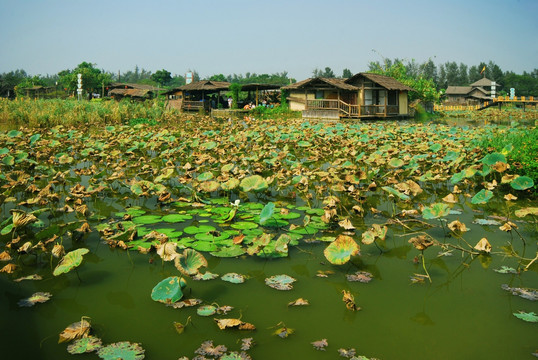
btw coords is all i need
(84, 345)
(396, 163)
(123, 350)
(289, 216)
(70, 261)
(176, 218)
(206, 310)
(14, 133)
(9, 160)
(435, 211)
(170, 232)
(395, 192)
(4, 151)
(229, 251)
(208, 175)
(209, 145)
(233, 278)
(147, 219)
(34, 138)
(529, 317)
(198, 229)
(267, 213)
(522, 183)
(493, 158)
(436, 147)
(169, 290)
(341, 250)
(205, 276)
(280, 282)
(456, 178)
(273, 222)
(190, 262)
(209, 186)
(253, 183)
(214, 236)
(451, 156)
(244, 225)
(230, 184)
(227, 167)
(482, 197)
(165, 175)
(304, 143)
(7, 229)
(205, 246)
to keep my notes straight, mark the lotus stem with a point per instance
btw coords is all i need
(424, 266)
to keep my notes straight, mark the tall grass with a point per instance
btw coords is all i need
(523, 156)
(46, 113)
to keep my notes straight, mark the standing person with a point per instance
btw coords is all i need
(230, 102)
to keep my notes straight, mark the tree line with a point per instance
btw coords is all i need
(429, 79)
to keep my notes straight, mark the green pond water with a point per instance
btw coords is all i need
(463, 314)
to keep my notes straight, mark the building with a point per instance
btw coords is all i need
(474, 94)
(364, 95)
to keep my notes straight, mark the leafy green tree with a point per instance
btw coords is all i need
(92, 78)
(177, 81)
(218, 77)
(463, 77)
(162, 77)
(474, 74)
(346, 74)
(429, 71)
(28, 82)
(9, 80)
(235, 89)
(327, 73)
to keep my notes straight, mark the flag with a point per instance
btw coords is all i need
(483, 69)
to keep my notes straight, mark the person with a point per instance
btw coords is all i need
(230, 102)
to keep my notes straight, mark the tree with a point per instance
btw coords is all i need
(328, 73)
(235, 89)
(92, 78)
(28, 82)
(429, 71)
(161, 77)
(346, 74)
(463, 78)
(9, 80)
(218, 77)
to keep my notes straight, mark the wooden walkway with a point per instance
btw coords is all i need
(498, 101)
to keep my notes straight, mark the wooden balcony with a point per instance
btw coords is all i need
(352, 110)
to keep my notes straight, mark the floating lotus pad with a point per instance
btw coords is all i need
(84, 345)
(280, 282)
(38, 297)
(340, 251)
(244, 225)
(176, 218)
(70, 261)
(190, 262)
(122, 350)
(169, 290)
(229, 251)
(529, 317)
(522, 183)
(435, 211)
(233, 278)
(147, 219)
(199, 229)
(206, 310)
(253, 183)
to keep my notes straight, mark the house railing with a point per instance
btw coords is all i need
(194, 105)
(352, 110)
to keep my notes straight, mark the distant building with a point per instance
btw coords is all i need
(476, 93)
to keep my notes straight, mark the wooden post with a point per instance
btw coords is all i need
(256, 96)
(386, 101)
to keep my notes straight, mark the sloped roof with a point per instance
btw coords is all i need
(333, 82)
(484, 82)
(206, 85)
(117, 85)
(387, 82)
(131, 92)
(259, 86)
(458, 90)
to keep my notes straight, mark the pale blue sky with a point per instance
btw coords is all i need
(236, 36)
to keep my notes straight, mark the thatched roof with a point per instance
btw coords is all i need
(458, 90)
(483, 82)
(320, 81)
(117, 85)
(206, 85)
(138, 93)
(387, 82)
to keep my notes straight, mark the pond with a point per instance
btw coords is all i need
(263, 199)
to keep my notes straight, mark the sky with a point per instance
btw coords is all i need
(236, 36)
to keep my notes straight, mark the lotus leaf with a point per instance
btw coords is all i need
(283, 332)
(228, 251)
(38, 297)
(522, 183)
(121, 350)
(206, 310)
(190, 262)
(486, 222)
(280, 282)
(209, 186)
(230, 184)
(70, 261)
(483, 245)
(435, 211)
(527, 211)
(253, 183)
(267, 212)
(147, 219)
(169, 290)
(320, 344)
(360, 276)
(529, 317)
(234, 323)
(525, 293)
(84, 345)
(205, 276)
(205, 246)
(506, 270)
(199, 229)
(233, 278)
(493, 158)
(176, 218)
(482, 197)
(244, 225)
(341, 250)
(396, 163)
